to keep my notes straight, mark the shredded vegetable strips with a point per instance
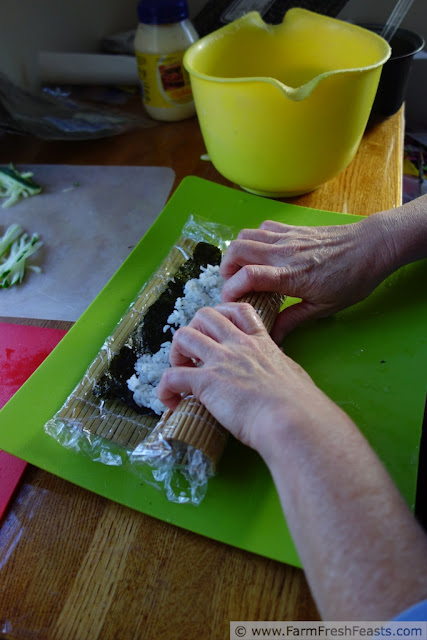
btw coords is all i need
(19, 246)
(15, 185)
(12, 234)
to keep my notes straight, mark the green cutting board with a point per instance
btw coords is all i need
(371, 359)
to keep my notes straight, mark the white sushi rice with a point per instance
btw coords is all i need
(204, 291)
(149, 369)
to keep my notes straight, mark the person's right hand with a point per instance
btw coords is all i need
(244, 380)
(329, 268)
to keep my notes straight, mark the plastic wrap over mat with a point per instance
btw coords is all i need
(114, 416)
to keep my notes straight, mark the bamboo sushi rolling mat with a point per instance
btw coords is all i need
(112, 419)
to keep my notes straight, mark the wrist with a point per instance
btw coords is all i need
(400, 234)
(296, 432)
(379, 236)
(272, 434)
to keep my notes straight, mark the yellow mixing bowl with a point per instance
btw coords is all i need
(283, 108)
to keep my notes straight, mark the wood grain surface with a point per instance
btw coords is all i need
(74, 565)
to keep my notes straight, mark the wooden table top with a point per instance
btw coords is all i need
(75, 565)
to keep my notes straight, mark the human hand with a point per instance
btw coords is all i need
(244, 380)
(344, 513)
(329, 268)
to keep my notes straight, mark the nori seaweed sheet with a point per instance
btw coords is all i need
(149, 335)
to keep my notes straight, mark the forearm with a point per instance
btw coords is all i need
(329, 268)
(400, 235)
(363, 553)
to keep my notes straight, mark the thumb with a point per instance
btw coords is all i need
(292, 317)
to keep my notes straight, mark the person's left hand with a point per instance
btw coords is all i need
(329, 268)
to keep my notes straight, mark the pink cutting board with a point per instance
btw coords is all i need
(22, 350)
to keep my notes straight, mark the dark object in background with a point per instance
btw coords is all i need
(395, 74)
(217, 13)
(421, 499)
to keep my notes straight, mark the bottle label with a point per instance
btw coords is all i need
(165, 82)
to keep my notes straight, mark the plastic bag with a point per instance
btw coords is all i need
(60, 117)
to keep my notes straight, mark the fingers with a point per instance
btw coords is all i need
(290, 318)
(243, 316)
(190, 345)
(174, 384)
(205, 341)
(259, 235)
(257, 278)
(211, 327)
(245, 251)
(293, 316)
(276, 227)
(227, 319)
(256, 246)
(266, 227)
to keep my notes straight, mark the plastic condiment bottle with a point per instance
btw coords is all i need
(162, 37)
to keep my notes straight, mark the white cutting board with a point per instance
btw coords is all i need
(89, 218)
